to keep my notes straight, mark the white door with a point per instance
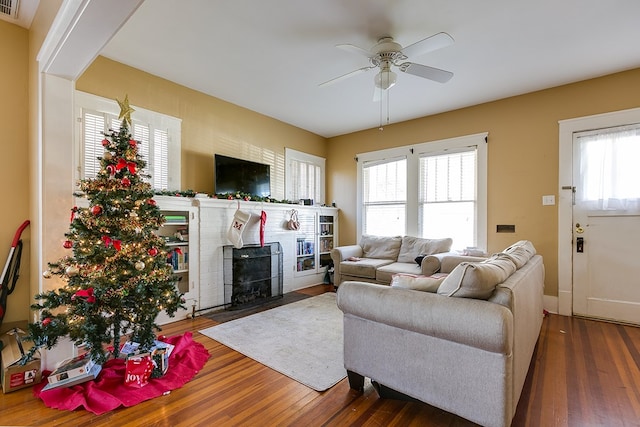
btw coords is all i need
(606, 224)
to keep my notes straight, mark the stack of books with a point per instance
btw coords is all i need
(75, 370)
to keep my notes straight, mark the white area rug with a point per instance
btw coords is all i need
(302, 340)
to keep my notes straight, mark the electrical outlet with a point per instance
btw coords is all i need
(548, 200)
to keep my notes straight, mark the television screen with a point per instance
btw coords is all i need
(241, 176)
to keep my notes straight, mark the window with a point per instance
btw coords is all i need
(447, 202)
(304, 176)
(384, 197)
(158, 134)
(433, 190)
(609, 174)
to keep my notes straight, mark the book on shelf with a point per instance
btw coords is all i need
(175, 219)
(90, 375)
(71, 368)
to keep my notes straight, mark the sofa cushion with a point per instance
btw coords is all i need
(413, 246)
(364, 267)
(417, 283)
(385, 272)
(380, 246)
(477, 279)
(520, 252)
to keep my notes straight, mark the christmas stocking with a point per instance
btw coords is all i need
(240, 220)
(263, 221)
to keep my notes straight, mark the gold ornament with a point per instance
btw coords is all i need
(47, 274)
(107, 155)
(139, 265)
(125, 110)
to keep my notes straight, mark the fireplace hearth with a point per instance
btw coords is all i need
(252, 274)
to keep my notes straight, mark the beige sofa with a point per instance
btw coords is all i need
(465, 349)
(377, 258)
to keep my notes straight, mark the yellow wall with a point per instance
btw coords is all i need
(209, 125)
(14, 140)
(522, 156)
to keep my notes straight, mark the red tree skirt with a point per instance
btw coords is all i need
(108, 391)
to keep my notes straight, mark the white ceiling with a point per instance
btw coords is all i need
(270, 56)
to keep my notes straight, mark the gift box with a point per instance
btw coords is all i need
(14, 375)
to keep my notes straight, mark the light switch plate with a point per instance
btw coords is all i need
(548, 200)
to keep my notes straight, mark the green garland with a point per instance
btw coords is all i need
(247, 197)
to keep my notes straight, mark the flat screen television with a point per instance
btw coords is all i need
(241, 176)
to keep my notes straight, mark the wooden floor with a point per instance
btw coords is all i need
(584, 373)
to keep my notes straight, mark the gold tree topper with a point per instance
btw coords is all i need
(125, 111)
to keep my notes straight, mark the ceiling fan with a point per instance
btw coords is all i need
(387, 54)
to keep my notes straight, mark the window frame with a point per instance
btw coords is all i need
(413, 154)
(154, 120)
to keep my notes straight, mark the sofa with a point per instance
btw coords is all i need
(377, 259)
(464, 347)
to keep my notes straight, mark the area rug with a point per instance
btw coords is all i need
(302, 340)
(109, 392)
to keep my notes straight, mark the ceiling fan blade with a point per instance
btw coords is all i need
(346, 76)
(436, 41)
(435, 74)
(354, 49)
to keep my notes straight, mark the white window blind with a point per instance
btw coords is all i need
(93, 128)
(447, 196)
(158, 136)
(384, 190)
(304, 176)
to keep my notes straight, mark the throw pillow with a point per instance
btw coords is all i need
(417, 283)
(477, 279)
(520, 252)
(412, 246)
(381, 247)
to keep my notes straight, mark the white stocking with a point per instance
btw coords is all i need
(240, 220)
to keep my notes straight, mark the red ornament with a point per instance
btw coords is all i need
(105, 142)
(85, 293)
(153, 251)
(126, 181)
(68, 244)
(46, 321)
(96, 210)
(162, 337)
(151, 202)
(133, 143)
(230, 197)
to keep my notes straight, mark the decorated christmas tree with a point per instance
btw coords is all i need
(117, 278)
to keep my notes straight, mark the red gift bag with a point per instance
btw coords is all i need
(138, 370)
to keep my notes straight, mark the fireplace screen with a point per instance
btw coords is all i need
(252, 274)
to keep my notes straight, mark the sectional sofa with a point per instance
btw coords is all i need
(464, 346)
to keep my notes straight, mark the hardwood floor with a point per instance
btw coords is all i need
(584, 373)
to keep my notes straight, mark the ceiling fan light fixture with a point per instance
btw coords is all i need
(385, 79)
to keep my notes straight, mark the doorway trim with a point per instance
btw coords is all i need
(565, 199)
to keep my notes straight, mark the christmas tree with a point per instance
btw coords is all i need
(117, 278)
